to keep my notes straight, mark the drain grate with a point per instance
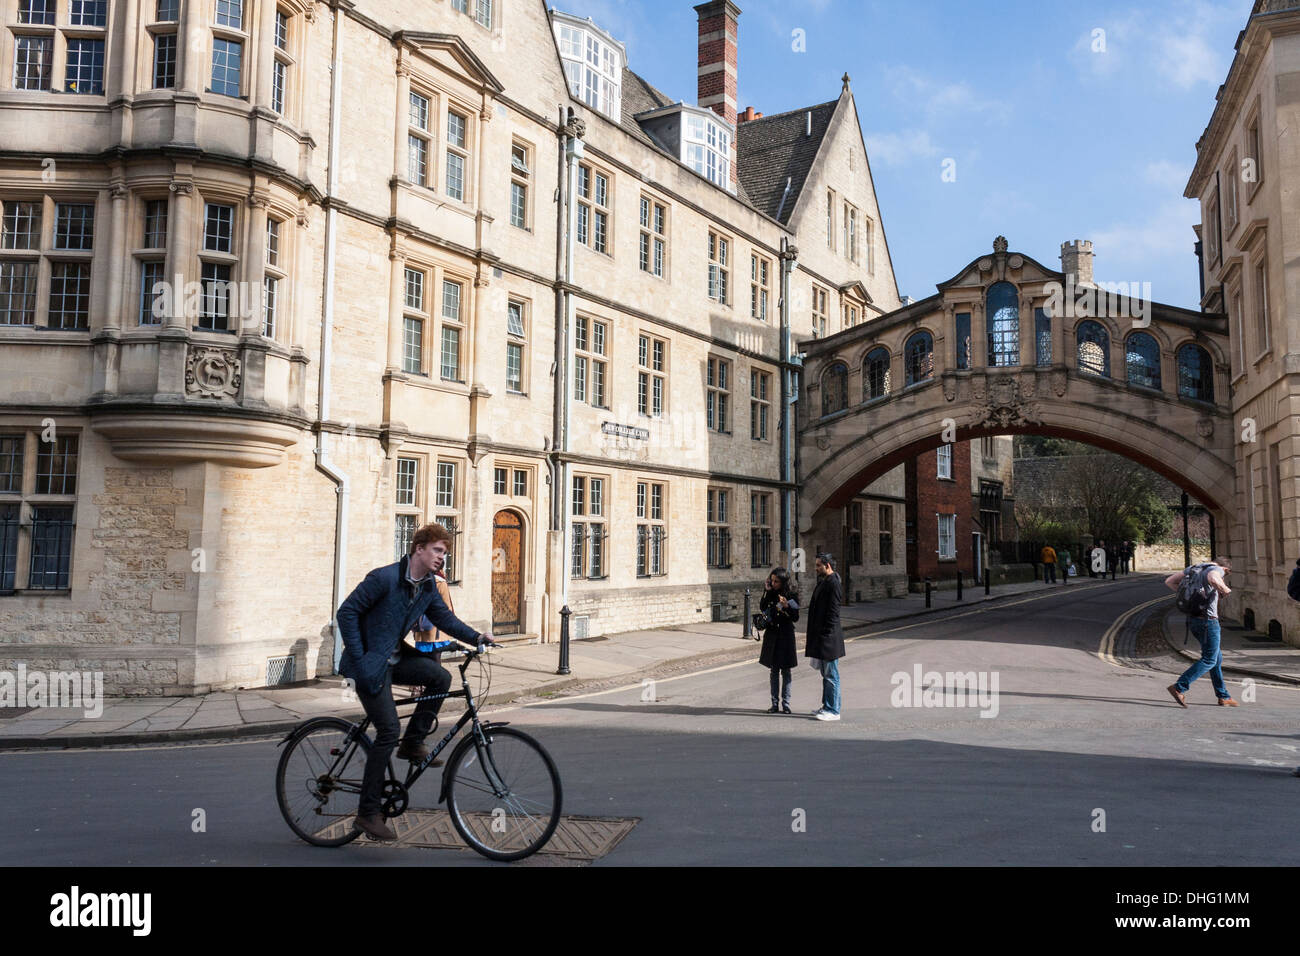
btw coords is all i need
(577, 838)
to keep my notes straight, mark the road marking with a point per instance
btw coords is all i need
(847, 640)
(1107, 649)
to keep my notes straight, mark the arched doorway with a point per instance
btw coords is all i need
(507, 573)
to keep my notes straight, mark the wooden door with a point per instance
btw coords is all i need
(507, 573)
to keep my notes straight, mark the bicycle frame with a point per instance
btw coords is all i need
(415, 771)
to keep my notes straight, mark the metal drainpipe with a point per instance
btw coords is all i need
(572, 153)
(789, 395)
(323, 460)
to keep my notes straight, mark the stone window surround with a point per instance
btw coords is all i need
(26, 499)
(45, 255)
(442, 101)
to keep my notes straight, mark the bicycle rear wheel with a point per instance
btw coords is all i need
(318, 781)
(504, 798)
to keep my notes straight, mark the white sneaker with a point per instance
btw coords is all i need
(826, 715)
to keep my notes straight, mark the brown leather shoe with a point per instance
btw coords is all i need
(414, 752)
(1177, 695)
(375, 827)
(1228, 702)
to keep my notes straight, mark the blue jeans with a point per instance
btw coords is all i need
(1206, 632)
(830, 685)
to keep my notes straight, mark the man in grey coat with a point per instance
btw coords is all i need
(825, 641)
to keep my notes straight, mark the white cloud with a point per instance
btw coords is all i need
(895, 149)
(936, 97)
(1184, 45)
(1169, 176)
(1144, 245)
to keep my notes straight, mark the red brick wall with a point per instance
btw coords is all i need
(927, 496)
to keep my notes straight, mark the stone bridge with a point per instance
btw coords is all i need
(1009, 346)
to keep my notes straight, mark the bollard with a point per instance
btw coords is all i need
(564, 640)
(927, 592)
(986, 582)
(959, 585)
(744, 622)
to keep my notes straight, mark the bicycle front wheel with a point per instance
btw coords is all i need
(318, 781)
(504, 797)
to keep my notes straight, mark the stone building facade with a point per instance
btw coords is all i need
(1247, 180)
(280, 281)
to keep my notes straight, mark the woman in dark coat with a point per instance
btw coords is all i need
(780, 604)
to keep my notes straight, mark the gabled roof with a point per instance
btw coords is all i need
(775, 149)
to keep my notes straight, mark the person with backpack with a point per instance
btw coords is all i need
(1293, 586)
(1199, 588)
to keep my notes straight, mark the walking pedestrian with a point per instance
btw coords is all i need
(1205, 628)
(825, 640)
(1048, 556)
(780, 605)
(373, 621)
(1125, 557)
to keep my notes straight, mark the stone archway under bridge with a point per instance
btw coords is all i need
(999, 350)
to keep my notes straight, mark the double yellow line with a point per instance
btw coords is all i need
(1107, 649)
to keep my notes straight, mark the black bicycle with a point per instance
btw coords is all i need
(500, 785)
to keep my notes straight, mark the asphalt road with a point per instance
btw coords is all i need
(1076, 742)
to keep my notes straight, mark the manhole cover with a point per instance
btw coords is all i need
(576, 838)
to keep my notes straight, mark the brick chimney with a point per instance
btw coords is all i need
(1076, 260)
(719, 58)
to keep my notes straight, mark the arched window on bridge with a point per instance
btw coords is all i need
(1142, 355)
(875, 374)
(1195, 374)
(919, 355)
(1094, 349)
(963, 340)
(1003, 315)
(835, 389)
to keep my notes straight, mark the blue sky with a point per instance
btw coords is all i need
(1052, 140)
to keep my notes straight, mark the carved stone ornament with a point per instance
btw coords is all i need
(1058, 383)
(1016, 261)
(1002, 405)
(1029, 385)
(212, 373)
(949, 387)
(181, 188)
(1205, 427)
(1000, 245)
(576, 127)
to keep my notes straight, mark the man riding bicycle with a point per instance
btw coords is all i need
(373, 622)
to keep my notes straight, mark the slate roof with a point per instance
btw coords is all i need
(768, 150)
(771, 149)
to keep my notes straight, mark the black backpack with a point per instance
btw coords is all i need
(1195, 590)
(1293, 586)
